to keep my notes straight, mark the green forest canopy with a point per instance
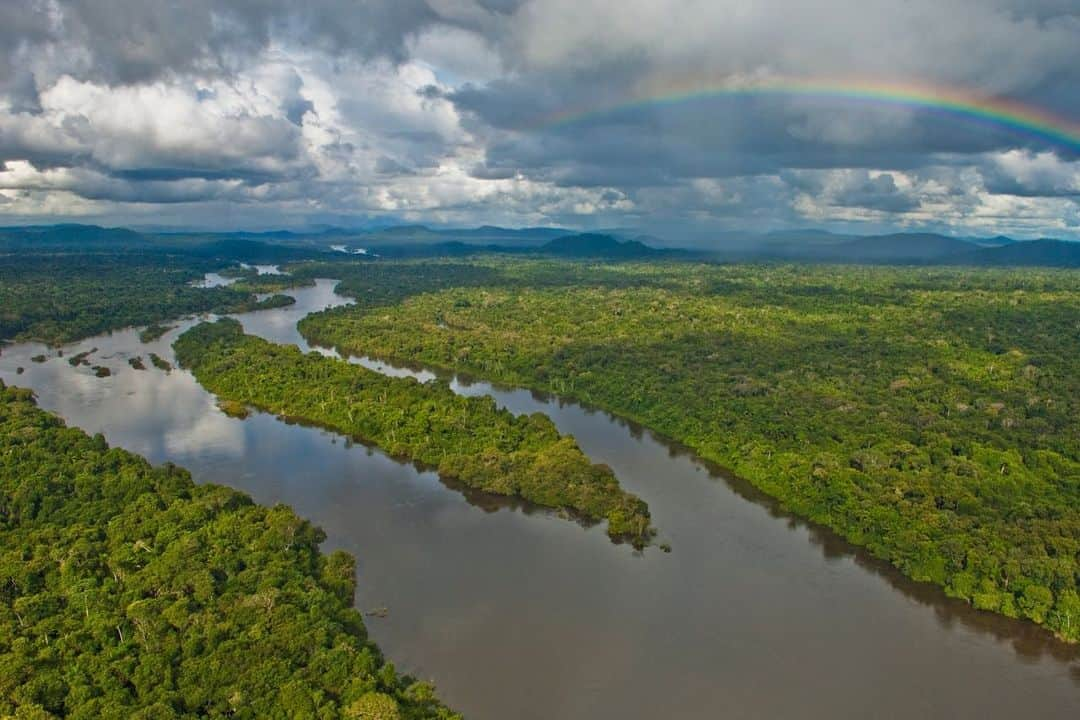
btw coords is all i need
(469, 440)
(931, 415)
(59, 298)
(127, 591)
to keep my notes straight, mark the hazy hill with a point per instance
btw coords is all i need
(805, 236)
(252, 251)
(995, 241)
(905, 248)
(805, 245)
(491, 233)
(95, 239)
(421, 235)
(60, 237)
(585, 245)
(919, 247)
(595, 245)
(1054, 253)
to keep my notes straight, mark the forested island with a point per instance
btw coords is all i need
(928, 414)
(127, 591)
(468, 440)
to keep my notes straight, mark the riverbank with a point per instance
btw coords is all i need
(514, 612)
(171, 599)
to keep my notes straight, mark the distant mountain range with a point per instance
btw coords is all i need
(884, 248)
(421, 241)
(1049, 253)
(911, 248)
(583, 246)
(419, 235)
(588, 245)
(75, 238)
(56, 237)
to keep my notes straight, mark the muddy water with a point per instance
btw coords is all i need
(517, 613)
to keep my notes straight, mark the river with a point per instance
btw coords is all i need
(519, 614)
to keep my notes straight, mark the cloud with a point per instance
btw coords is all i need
(995, 45)
(91, 185)
(155, 132)
(458, 55)
(1017, 172)
(134, 41)
(874, 191)
(448, 111)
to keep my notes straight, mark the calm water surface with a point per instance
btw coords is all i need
(519, 614)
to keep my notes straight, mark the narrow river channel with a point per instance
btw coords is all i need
(519, 614)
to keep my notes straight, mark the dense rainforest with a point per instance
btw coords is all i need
(60, 297)
(127, 591)
(248, 279)
(468, 440)
(931, 415)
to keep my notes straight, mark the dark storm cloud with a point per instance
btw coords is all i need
(725, 136)
(854, 189)
(44, 145)
(389, 166)
(296, 109)
(21, 27)
(22, 93)
(1030, 50)
(445, 107)
(1033, 176)
(130, 41)
(1004, 185)
(168, 174)
(733, 137)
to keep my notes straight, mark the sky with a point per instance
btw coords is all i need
(259, 114)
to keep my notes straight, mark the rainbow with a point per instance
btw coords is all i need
(997, 111)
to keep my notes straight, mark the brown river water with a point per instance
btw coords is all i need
(519, 614)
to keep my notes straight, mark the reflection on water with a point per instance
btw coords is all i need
(525, 615)
(264, 269)
(213, 280)
(386, 368)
